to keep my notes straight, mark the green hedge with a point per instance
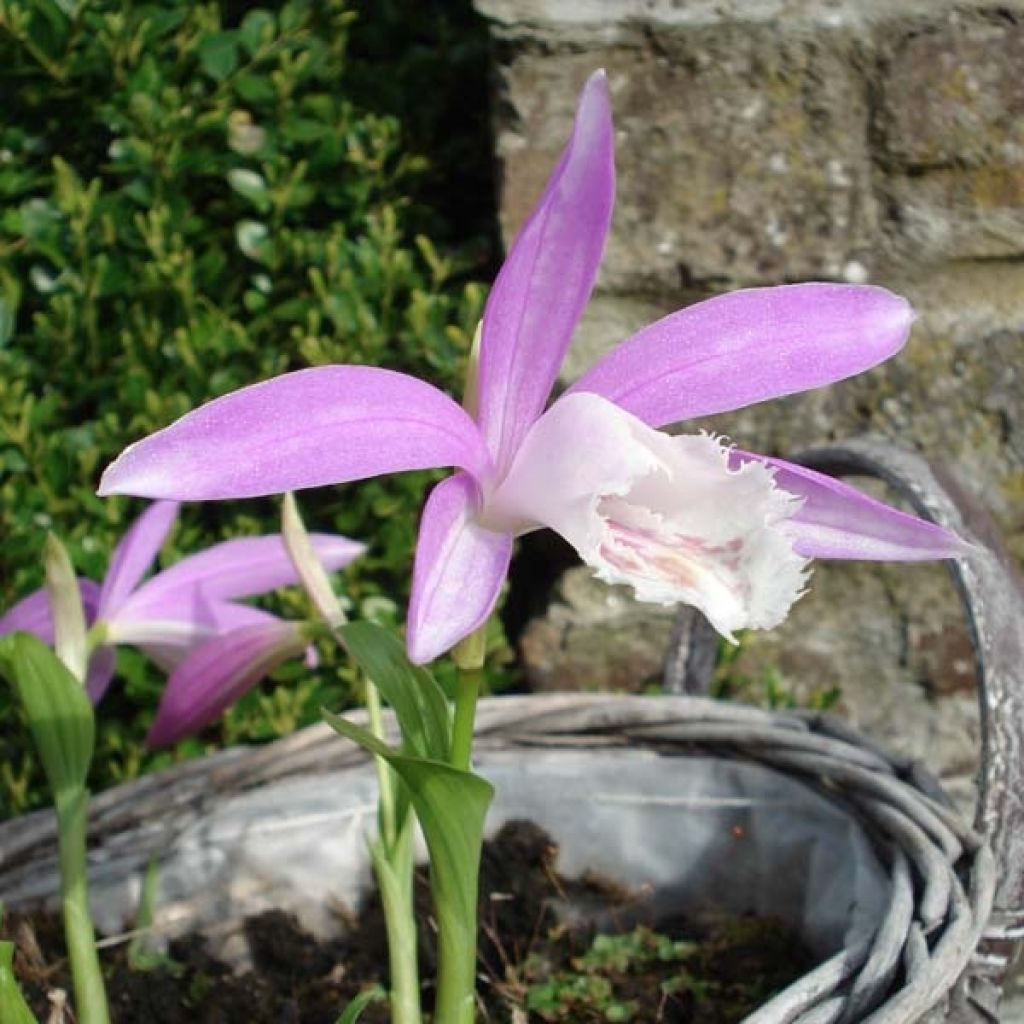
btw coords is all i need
(194, 197)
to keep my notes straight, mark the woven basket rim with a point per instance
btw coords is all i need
(941, 872)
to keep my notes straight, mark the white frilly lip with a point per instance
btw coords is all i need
(665, 514)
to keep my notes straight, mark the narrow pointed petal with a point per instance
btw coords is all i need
(32, 614)
(546, 280)
(227, 616)
(169, 656)
(184, 625)
(838, 521)
(232, 569)
(325, 425)
(458, 572)
(135, 553)
(216, 674)
(101, 672)
(169, 643)
(747, 346)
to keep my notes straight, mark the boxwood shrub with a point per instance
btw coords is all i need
(193, 197)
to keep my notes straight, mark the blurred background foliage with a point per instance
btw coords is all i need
(194, 197)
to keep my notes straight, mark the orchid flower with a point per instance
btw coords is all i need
(682, 519)
(217, 671)
(179, 608)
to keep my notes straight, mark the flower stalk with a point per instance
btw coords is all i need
(90, 996)
(392, 857)
(393, 868)
(468, 655)
(457, 932)
(392, 852)
(63, 728)
(456, 968)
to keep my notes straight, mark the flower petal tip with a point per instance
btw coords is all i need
(420, 650)
(889, 319)
(960, 547)
(424, 642)
(122, 477)
(108, 485)
(903, 313)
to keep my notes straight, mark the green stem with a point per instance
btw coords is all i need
(456, 963)
(467, 690)
(90, 995)
(96, 637)
(392, 856)
(393, 866)
(385, 777)
(13, 1008)
(456, 912)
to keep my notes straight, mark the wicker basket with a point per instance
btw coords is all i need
(935, 946)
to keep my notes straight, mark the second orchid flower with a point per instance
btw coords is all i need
(176, 614)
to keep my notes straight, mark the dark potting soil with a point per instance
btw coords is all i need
(551, 949)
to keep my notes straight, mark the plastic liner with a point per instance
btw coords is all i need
(687, 834)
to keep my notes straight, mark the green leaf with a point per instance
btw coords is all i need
(218, 55)
(357, 734)
(256, 29)
(254, 240)
(304, 129)
(293, 14)
(13, 1008)
(451, 806)
(250, 185)
(354, 1009)
(58, 710)
(10, 299)
(38, 219)
(255, 89)
(418, 700)
(6, 321)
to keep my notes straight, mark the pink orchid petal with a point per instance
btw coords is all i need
(135, 553)
(169, 656)
(217, 673)
(838, 521)
(101, 671)
(748, 346)
(227, 616)
(32, 613)
(169, 637)
(546, 280)
(169, 643)
(224, 618)
(243, 567)
(325, 425)
(458, 572)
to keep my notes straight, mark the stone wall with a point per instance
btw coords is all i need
(764, 141)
